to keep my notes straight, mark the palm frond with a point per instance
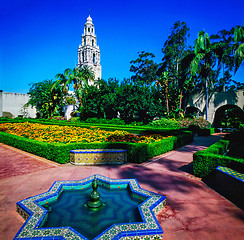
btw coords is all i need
(195, 62)
(239, 34)
(55, 85)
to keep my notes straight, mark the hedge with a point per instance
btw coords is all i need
(205, 131)
(201, 131)
(59, 152)
(114, 127)
(106, 127)
(206, 161)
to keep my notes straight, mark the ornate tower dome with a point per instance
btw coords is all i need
(88, 51)
(89, 19)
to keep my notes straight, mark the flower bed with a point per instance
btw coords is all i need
(59, 151)
(71, 134)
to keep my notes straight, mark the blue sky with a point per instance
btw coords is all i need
(40, 38)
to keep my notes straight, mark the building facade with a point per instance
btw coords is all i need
(13, 105)
(216, 100)
(88, 51)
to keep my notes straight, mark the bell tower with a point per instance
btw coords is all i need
(88, 51)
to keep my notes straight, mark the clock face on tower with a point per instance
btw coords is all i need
(89, 52)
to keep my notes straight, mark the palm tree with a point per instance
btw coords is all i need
(222, 50)
(204, 57)
(62, 80)
(239, 52)
(80, 78)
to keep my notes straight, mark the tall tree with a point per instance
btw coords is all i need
(163, 82)
(144, 68)
(135, 101)
(100, 100)
(204, 61)
(175, 49)
(229, 49)
(224, 41)
(109, 101)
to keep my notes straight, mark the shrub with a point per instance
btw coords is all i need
(165, 123)
(204, 162)
(219, 147)
(58, 118)
(205, 131)
(74, 119)
(4, 119)
(70, 100)
(136, 123)
(236, 148)
(116, 121)
(198, 122)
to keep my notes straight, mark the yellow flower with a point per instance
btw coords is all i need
(67, 134)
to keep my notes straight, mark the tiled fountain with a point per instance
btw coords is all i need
(128, 212)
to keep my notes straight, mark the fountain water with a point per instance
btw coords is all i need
(122, 197)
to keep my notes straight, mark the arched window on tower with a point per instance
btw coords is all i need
(84, 41)
(92, 30)
(83, 57)
(94, 60)
(88, 29)
(92, 42)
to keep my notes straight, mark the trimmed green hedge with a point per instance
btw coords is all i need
(206, 161)
(107, 127)
(201, 131)
(205, 131)
(137, 152)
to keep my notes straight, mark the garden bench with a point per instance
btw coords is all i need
(230, 184)
(226, 129)
(98, 156)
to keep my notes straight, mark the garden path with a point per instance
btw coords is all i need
(193, 210)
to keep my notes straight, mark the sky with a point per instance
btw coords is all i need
(40, 38)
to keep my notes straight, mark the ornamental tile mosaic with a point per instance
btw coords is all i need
(232, 173)
(98, 156)
(32, 210)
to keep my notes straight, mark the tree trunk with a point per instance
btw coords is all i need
(223, 77)
(166, 96)
(206, 86)
(180, 103)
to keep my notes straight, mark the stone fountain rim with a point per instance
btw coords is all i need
(35, 214)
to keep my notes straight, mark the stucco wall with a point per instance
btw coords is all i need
(215, 101)
(11, 105)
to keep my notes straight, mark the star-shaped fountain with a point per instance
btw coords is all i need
(67, 202)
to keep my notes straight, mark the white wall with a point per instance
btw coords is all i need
(11, 105)
(68, 109)
(215, 101)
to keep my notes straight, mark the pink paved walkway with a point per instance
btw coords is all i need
(193, 210)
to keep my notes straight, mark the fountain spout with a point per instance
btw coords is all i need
(94, 202)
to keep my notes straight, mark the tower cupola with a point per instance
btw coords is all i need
(89, 52)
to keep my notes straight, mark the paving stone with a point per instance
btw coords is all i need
(193, 210)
